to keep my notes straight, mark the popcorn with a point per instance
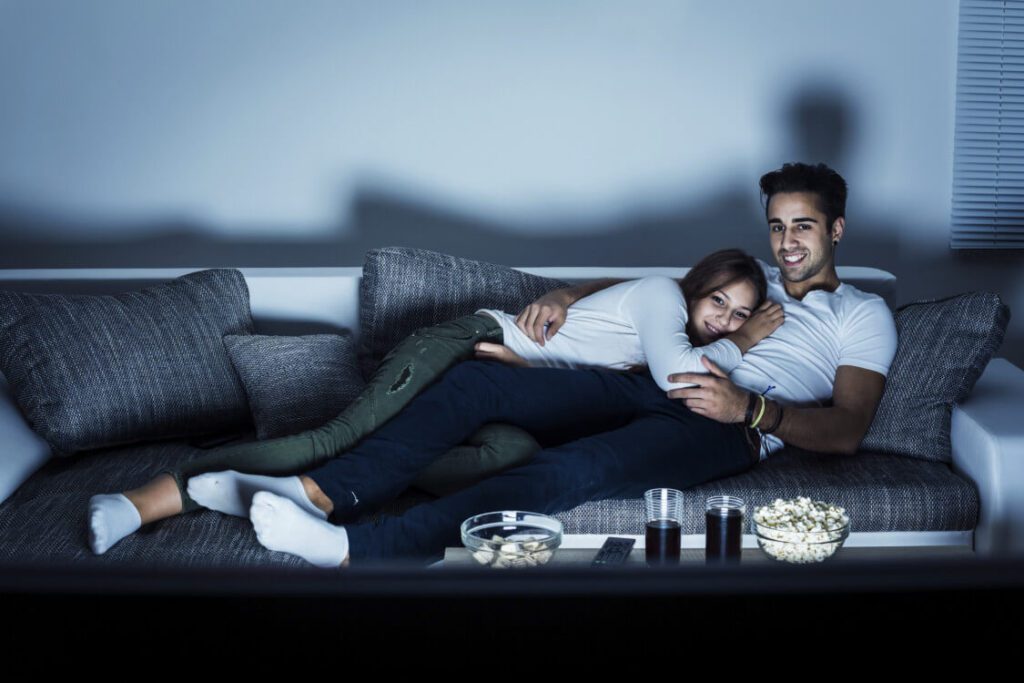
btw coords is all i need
(800, 530)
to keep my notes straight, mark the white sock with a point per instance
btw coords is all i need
(281, 525)
(231, 492)
(111, 517)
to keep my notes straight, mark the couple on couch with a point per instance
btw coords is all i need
(567, 430)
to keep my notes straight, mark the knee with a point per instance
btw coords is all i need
(506, 442)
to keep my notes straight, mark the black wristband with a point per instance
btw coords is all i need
(751, 404)
(776, 423)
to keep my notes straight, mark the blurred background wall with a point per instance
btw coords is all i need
(264, 132)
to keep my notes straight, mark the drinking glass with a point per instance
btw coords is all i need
(664, 525)
(723, 534)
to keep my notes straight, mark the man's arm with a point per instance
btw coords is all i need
(551, 308)
(838, 428)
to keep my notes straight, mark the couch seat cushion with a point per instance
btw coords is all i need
(879, 492)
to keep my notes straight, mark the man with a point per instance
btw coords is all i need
(815, 383)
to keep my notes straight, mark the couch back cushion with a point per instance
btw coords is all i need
(404, 289)
(944, 345)
(95, 371)
(295, 383)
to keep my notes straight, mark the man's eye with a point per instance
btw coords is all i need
(805, 226)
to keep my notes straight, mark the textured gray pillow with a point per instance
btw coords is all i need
(403, 289)
(92, 371)
(944, 345)
(295, 383)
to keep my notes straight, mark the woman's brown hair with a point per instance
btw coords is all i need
(720, 269)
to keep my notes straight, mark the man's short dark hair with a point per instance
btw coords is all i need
(819, 179)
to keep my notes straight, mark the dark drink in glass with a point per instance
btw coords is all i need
(723, 536)
(664, 537)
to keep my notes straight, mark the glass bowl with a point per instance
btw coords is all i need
(511, 538)
(800, 547)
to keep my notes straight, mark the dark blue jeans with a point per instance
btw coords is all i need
(608, 435)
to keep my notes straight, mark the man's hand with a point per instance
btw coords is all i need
(550, 310)
(500, 352)
(715, 397)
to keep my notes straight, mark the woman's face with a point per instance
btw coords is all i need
(722, 311)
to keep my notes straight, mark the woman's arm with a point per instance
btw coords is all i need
(551, 309)
(761, 323)
(657, 309)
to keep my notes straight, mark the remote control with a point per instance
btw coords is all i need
(614, 551)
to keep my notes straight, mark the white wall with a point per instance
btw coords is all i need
(251, 133)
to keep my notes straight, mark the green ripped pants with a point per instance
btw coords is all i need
(405, 371)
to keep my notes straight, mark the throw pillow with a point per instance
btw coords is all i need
(403, 289)
(92, 371)
(295, 383)
(944, 345)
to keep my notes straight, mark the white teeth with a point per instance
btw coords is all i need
(792, 259)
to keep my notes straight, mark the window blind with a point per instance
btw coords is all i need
(988, 156)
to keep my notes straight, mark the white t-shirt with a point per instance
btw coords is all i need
(632, 323)
(796, 365)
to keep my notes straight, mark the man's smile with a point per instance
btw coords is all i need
(794, 259)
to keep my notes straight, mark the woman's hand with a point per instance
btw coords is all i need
(762, 322)
(549, 310)
(500, 352)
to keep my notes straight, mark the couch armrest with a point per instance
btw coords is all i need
(987, 434)
(24, 451)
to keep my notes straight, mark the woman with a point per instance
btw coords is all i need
(717, 310)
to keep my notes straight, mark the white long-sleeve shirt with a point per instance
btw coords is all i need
(632, 323)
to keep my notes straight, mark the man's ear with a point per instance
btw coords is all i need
(837, 228)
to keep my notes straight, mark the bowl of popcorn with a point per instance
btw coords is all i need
(511, 538)
(800, 530)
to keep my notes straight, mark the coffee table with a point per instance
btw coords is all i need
(579, 549)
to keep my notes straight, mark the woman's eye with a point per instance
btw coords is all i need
(717, 300)
(742, 316)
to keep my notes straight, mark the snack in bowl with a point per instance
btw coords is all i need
(800, 530)
(511, 538)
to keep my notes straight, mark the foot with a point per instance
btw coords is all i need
(282, 525)
(111, 517)
(232, 492)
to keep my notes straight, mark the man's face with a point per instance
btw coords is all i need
(800, 238)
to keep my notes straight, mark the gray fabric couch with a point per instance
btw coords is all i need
(972, 501)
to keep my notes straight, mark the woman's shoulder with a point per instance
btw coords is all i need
(659, 285)
(654, 294)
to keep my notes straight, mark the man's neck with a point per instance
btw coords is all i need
(826, 280)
